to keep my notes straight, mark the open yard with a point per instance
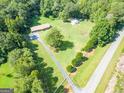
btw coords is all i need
(6, 80)
(76, 37)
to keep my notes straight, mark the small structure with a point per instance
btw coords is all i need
(74, 21)
(40, 27)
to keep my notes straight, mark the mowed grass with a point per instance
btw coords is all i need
(46, 58)
(86, 70)
(110, 69)
(6, 81)
(77, 35)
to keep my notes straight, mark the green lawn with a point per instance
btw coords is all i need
(6, 81)
(110, 69)
(76, 35)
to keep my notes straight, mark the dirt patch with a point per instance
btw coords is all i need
(111, 85)
(120, 65)
(113, 80)
(72, 74)
(67, 89)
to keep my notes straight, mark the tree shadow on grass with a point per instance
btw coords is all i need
(9, 75)
(66, 45)
(46, 72)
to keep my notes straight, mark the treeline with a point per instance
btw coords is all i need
(31, 73)
(15, 20)
(66, 9)
(108, 15)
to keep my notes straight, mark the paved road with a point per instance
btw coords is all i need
(97, 75)
(65, 75)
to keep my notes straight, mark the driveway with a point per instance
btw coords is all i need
(63, 72)
(98, 73)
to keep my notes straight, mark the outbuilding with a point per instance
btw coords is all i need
(40, 27)
(74, 21)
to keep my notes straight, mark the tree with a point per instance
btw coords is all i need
(10, 41)
(91, 44)
(78, 60)
(23, 85)
(71, 10)
(3, 27)
(57, 8)
(117, 10)
(36, 86)
(16, 25)
(54, 38)
(85, 7)
(46, 7)
(104, 31)
(2, 57)
(71, 69)
(99, 10)
(22, 61)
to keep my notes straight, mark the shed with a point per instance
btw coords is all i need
(40, 27)
(74, 21)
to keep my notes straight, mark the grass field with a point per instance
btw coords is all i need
(6, 81)
(110, 69)
(75, 35)
(78, 35)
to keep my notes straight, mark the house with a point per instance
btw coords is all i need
(74, 21)
(40, 27)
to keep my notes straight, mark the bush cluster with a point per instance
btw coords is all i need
(76, 62)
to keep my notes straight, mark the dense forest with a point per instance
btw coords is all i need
(16, 16)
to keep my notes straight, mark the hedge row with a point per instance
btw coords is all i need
(76, 62)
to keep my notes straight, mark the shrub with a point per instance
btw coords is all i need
(55, 38)
(79, 55)
(71, 69)
(92, 43)
(76, 62)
